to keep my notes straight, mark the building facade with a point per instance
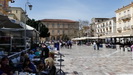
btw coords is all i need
(98, 20)
(18, 13)
(106, 27)
(4, 6)
(93, 25)
(61, 28)
(124, 18)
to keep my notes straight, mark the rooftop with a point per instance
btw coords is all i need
(57, 20)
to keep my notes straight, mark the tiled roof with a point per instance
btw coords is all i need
(127, 6)
(57, 20)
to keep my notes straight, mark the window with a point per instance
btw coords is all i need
(58, 25)
(53, 25)
(110, 23)
(63, 25)
(53, 31)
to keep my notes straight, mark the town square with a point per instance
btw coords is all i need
(66, 37)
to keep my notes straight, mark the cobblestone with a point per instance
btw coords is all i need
(86, 61)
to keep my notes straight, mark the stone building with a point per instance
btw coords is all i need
(4, 6)
(106, 27)
(124, 19)
(93, 23)
(61, 29)
(18, 13)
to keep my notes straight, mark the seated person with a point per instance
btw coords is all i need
(51, 54)
(28, 66)
(37, 53)
(5, 67)
(40, 66)
(1, 72)
(50, 66)
(22, 59)
(31, 55)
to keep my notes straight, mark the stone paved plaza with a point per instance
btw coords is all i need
(83, 60)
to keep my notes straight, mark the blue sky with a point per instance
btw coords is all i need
(71, 9)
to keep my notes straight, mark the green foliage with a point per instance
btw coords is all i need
(32, 23)
(44, 31)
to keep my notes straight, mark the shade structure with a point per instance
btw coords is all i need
(126, 33)
(5, 22)
(85, 38)
(93, 37)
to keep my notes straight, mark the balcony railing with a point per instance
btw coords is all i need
(119, 29)
(126, 17)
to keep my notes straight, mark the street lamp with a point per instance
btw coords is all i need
(12, 1)
(30, 7)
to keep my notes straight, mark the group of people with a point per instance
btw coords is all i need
(96, 45)
(46, 62)
(67, 44)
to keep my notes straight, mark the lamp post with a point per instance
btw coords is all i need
(30, 7)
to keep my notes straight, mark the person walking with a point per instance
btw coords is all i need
(94, 45)
(98, 44)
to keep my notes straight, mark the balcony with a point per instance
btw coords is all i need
(119, 29)
(126, 17)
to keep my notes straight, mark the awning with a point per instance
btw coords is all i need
(5, 22)
(84, 38)
(122, 34)
(92, 37)
(81, 38)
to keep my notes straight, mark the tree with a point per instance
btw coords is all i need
(33, 23)
(44, 31)
(83, 23)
